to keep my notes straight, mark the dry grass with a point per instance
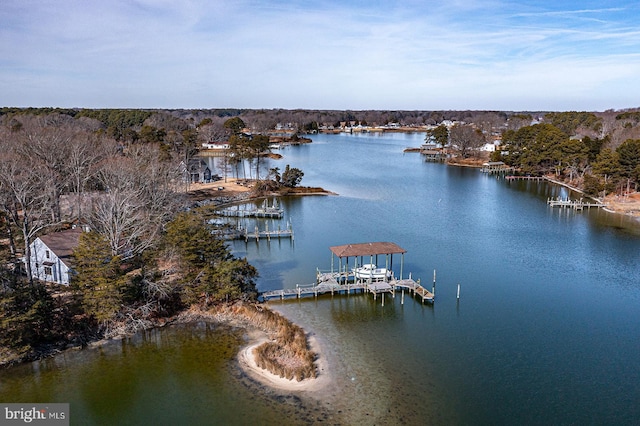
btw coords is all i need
(627, 204)
(288, 354)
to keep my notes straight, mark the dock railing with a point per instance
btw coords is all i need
(327, 282)
(572, 204)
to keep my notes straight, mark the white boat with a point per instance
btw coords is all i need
(369, 271)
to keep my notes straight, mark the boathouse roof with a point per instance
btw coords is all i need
(366, 249)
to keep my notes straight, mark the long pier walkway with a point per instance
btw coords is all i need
(328, 283)
(572, 204)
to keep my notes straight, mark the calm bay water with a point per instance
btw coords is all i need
(546, 331)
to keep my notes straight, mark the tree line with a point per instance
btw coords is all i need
(144, 257)
(559, 147)
(581, 148)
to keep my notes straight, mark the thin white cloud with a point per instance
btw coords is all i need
(323, 54)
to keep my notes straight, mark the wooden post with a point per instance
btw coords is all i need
(331, 263)
(458, 295)
(433, 288)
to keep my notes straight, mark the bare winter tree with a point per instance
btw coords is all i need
(466, 139)
(47, 149)
(25, 201)
(139, 199)
(213, 132)
(85, 151)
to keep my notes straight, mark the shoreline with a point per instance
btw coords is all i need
(248, 364)
(258, 333)
(233, 191)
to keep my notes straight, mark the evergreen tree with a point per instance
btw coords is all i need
(209, 272)
(439, 135)
(235, 125)
(629, 157)
(607, 164)
(291, 176)
(27, 316)
(98, 281)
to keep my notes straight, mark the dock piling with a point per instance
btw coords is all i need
(433, 287)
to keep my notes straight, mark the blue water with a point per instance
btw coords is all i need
(547, 326)
(546, 330)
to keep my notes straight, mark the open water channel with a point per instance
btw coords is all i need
(546, 330)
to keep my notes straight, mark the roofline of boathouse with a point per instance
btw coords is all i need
(370, 249)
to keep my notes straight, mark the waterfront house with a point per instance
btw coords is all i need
(197, 171)
(51, 256)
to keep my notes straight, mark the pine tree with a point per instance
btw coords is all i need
(98, 281)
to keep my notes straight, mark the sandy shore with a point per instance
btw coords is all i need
(248, 364)
(232, 187)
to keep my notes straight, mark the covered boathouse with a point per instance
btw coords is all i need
(344, 278)
(363, 253)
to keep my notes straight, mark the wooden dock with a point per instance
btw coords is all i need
(534, 178)
(496, 167)
(240, 233)
(331, 286)
(265, 211)
(346, 280)
(267, 234)
(572, 204)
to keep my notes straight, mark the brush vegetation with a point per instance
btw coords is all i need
(288, 353)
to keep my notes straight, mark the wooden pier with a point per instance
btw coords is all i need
(572, 204)
(347, 280)
(267, 234)
(534, 178)
(496, 167)
(241, 233)
(331, 286)
(265, 211)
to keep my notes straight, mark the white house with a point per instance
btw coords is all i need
(216, 145)
(51, 256)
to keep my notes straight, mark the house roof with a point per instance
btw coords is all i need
(366, 249)
(63, 243)
(197, 165)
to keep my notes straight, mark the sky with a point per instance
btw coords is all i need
(323, 54)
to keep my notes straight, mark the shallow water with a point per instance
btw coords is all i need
(182, 374)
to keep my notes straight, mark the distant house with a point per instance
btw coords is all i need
(220, 146)
(51, 256)
(198, 171)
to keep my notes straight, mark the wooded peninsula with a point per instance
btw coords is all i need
(143, 256)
